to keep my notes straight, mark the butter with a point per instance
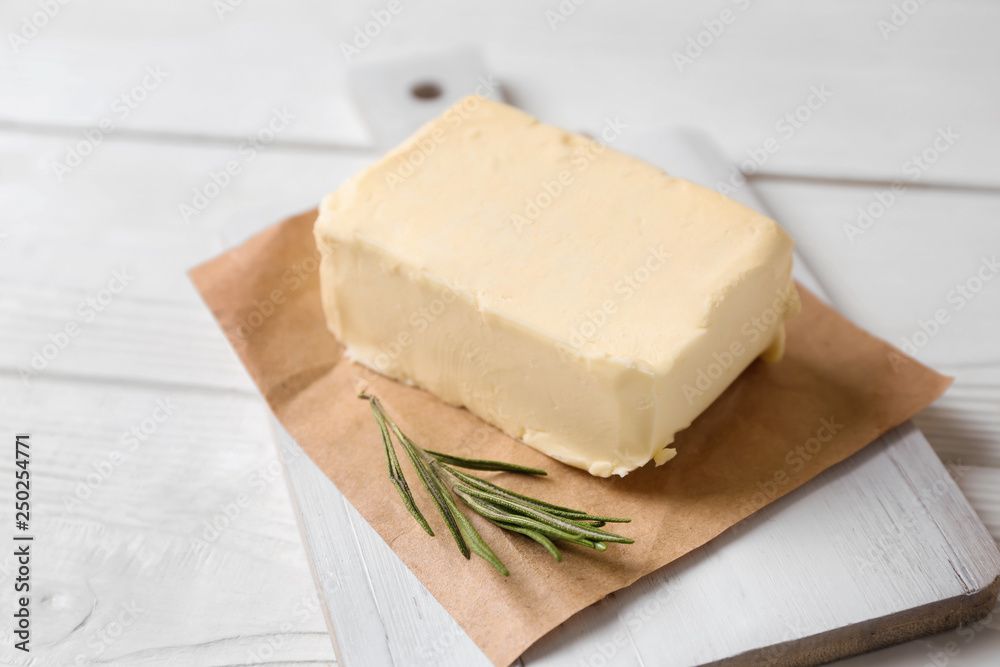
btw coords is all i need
(578, 299)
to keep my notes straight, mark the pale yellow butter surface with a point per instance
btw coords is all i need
(580, 300)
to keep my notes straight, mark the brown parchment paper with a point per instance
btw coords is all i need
(777, 426)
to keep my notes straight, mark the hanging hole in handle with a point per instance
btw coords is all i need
(426, 90)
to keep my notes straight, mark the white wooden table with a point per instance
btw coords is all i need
(186, 550)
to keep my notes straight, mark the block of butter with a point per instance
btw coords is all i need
(580, 300)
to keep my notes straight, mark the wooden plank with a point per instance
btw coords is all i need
(142, 340)
(339, 569)
(121, 208)
(906, 266)
(964, 424)
(262, 57)
(981, 485)
(153, 329)
(172, 545)
(758, 69)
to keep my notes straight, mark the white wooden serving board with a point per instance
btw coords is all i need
(877, 550)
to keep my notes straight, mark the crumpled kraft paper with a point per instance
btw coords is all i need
(776, 427)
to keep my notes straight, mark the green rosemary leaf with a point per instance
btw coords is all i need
(428, 481)
(396, 474)
(478, 544)
(495, 513)
(439, 500)
(483, 485)
(583, 516)
(557, 510)
(565, 525)
(471, 535)
(483, 464)
(584, 542)
(535, 535)
(540, 514)
(597, 533)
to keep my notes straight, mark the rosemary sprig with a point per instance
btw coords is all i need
(541, 521)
